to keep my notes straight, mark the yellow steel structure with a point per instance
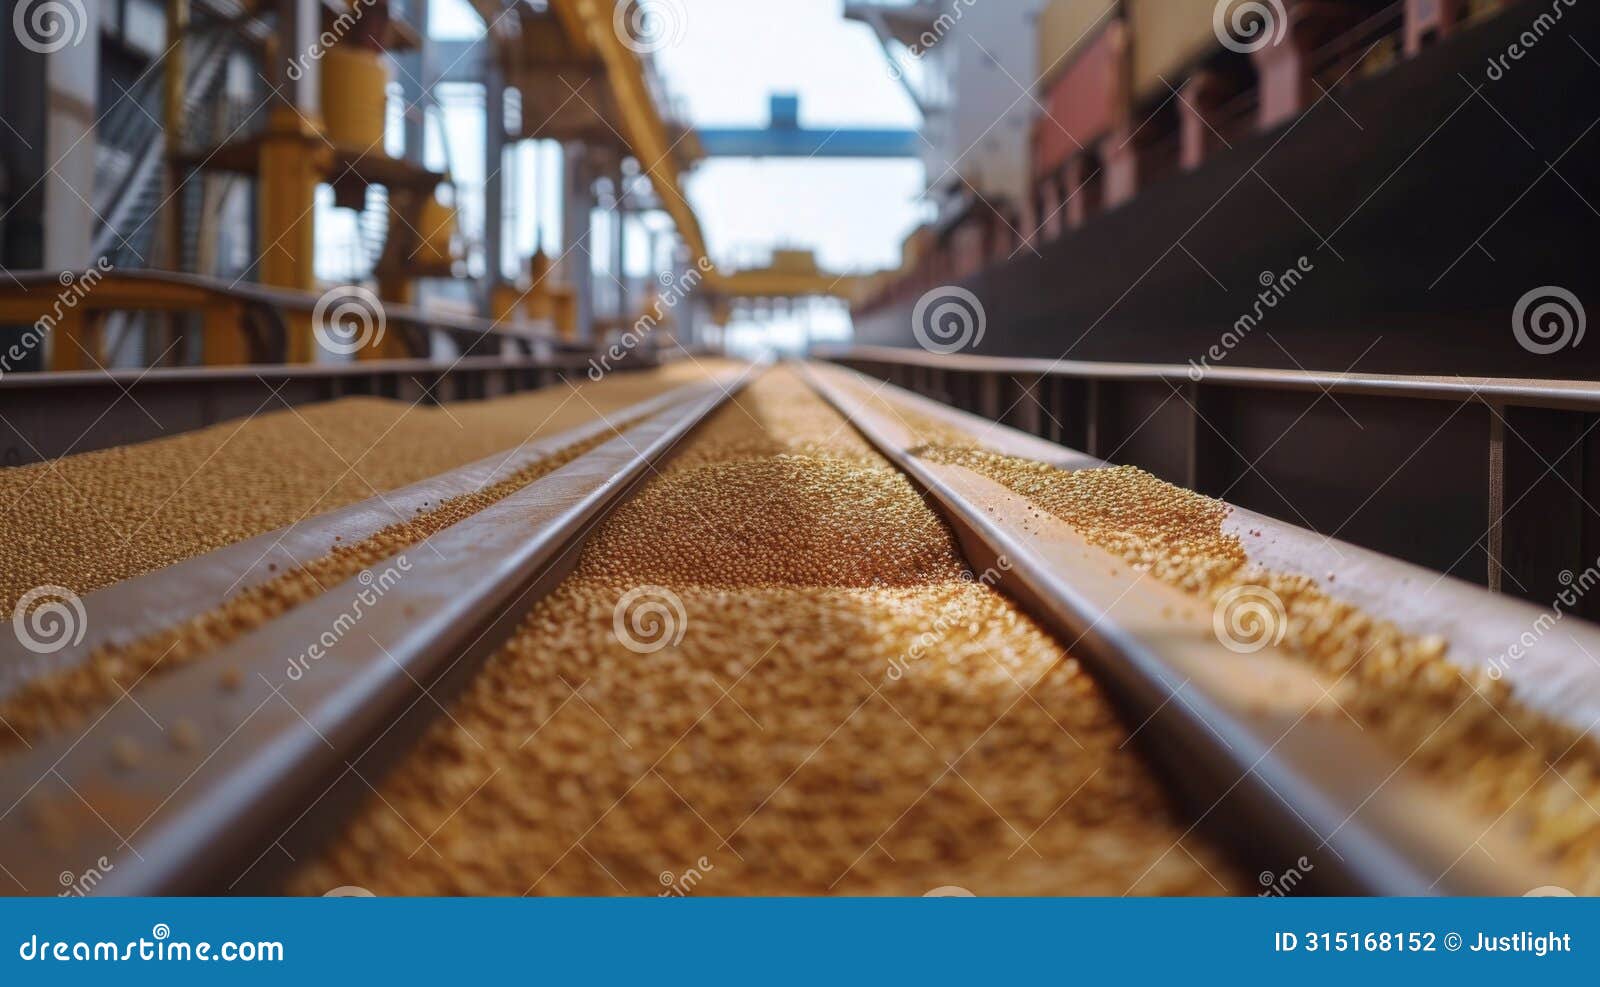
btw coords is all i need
(792, 274)
(354, 96)
(75, 337)
(294, 159)
(590, 26)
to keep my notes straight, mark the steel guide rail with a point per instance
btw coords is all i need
(1251, 739)
(1575, 394)
(179, 790)
(1504, 468)
(135, 608)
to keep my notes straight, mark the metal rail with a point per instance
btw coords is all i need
(136, 608)
(1506, 471)
(1253, 739)
(219, 760)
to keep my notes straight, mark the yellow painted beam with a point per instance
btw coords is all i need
(642, 125)
(767, 283)
(294, 158)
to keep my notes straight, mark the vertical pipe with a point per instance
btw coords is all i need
(494, 142)
(294, 158)
(576, 212)
(619, 251)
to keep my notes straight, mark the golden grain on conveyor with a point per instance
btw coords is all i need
(1461, 727)
(89, 520)
(62, 698)
(843, 714)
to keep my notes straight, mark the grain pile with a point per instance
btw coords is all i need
(1461, 727)
(89, 520)
(843, 713)
(67, 697)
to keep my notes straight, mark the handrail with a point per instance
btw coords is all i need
(1583, 395)
(104, 297)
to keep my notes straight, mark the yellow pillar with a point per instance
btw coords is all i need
(294, 158)
(398, 290)
(225, 343)
(505, 302)
(74, 340)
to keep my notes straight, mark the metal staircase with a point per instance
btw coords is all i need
(130, 154)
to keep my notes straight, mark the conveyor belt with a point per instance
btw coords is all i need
(217, 754)
(773, 670)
